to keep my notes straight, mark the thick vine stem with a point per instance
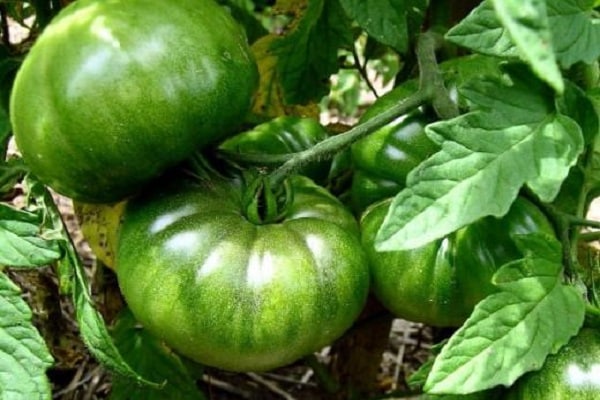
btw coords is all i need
(431, 80)
(431, 89)
(333, 145)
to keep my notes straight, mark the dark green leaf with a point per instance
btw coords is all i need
(514, 136)
(11, 172)
(513, 331)
(24, 357)
(419, 377)
(307, 56)
(149, 356)
(387, 21)
(93, 329)
(576, 104)
(22, 245)
(579, 106)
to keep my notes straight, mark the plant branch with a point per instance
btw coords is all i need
(576, 221)
(4, 25)
(590, 236)
(431, 80)
(431, 89)
(333, 145)
(362, 70)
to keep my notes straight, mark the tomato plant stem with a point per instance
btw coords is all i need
(590, 236)
(431, 90)
(333, 145)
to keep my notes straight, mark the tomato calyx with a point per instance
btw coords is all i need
(262, 202)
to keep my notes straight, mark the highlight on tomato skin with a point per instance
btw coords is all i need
(114, 92)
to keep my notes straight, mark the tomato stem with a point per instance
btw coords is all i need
(431, 90)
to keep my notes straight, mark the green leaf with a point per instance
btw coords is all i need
(24, 357)
(307, 56)
(386, 21)
(419, 377)
(22, 245)
(149, 356)
(527, 24)
(513, 137)
(482, 32)
(92, 327)
(513, 331)
(574, 31)
(576, 104)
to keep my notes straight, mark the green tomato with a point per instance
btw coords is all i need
(571, 374)
(114, 92)
(384, 158)
(237, 295)
(440, 283)
(283, 135)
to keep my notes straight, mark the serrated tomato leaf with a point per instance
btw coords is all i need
(92, 327)
(149, 356)
(513, 331)
(24, 357)
(22, 244)
(513, 136)
(575, 31)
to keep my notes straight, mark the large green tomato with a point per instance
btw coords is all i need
(238, 295)
(571, 374)
(384, 158)
(113, 92)
(440, 283)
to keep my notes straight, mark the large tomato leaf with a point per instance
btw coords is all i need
(149, 356)
(514, 136)
(387, 21)
(23, 352)
(22, 244)
(575, 31)
(513, 331)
